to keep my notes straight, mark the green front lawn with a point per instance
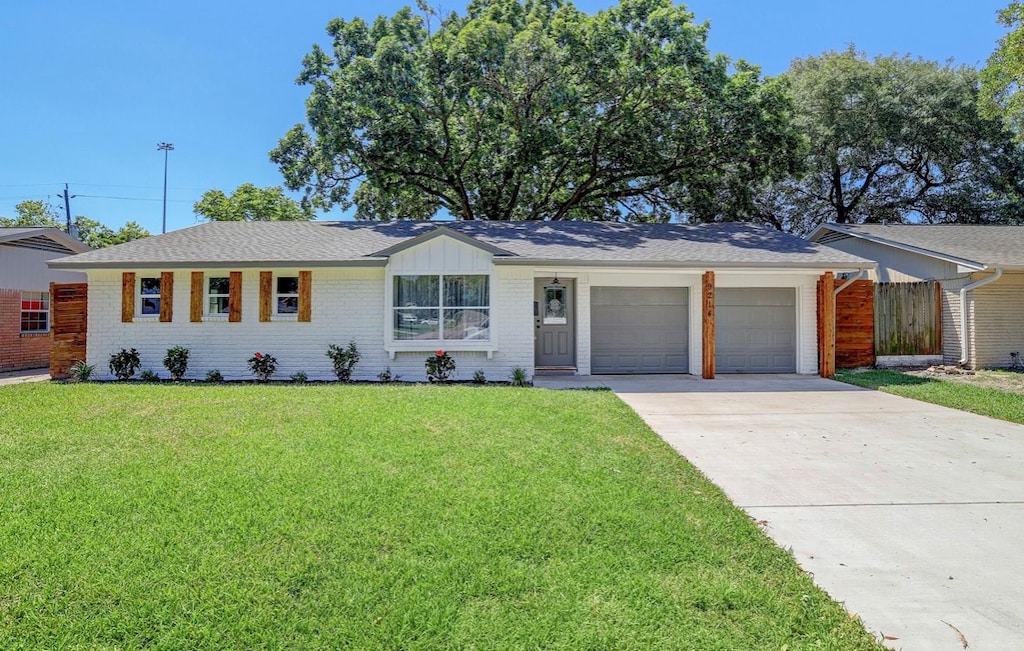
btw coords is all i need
(366, 517)
(986, 401)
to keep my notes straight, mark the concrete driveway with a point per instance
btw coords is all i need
(910, 514)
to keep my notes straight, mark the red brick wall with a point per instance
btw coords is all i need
(18, 351)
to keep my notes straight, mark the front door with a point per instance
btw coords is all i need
(554, 318)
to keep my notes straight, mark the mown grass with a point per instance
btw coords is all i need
(332, 517)
(1004, 405)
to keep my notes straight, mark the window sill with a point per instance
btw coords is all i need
(215, 318)
(449, 346)
(147, 318)
(284, 318)
(36, 333)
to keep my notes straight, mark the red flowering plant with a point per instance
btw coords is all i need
(440, 366)
(262, 366)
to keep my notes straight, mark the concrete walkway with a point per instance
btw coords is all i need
(29, 375)
(910, 514)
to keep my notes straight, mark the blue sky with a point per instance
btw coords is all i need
(89, 89)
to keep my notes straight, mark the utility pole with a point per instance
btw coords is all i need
(67, 206)
(165, 147)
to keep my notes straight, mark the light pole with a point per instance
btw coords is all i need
(165, 147)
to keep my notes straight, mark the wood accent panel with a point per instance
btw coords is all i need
(708, 326)
(266, 294)
(305, 296)
(827, 325)
(235, 297)
(166, 296)
(195, 308)
(69, 320)
(127, 297)
(855, 325)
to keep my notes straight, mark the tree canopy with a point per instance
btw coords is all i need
(531, 109)
(90, 231)
(892, 139)
(1003, 75)
(249, 203)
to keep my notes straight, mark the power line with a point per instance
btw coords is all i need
(98, 196)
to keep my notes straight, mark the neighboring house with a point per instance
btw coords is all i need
(980, 265)
(25, 292)
(577, 297)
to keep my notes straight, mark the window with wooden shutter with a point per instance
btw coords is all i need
(305, 296)
(127, 297)
(195, 313)
(235, 297)
(266, 294)
(166, 296)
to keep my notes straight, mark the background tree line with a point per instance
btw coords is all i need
(534, 110)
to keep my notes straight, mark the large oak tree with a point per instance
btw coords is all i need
(531, 109)
(892, 139)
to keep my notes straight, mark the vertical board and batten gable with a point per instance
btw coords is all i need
(441, 255)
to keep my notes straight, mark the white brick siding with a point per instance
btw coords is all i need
(353, 303)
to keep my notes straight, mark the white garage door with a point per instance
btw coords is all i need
(639, 330)
(755, 330)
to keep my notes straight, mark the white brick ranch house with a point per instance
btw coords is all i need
(574, 297)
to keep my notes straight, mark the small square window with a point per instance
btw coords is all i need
(35, 312)
(287, 295)
(217, 295)
(149, 296)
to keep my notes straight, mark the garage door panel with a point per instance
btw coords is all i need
(755, 330)
(639, 329)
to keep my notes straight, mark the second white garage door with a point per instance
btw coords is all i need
(755, 330)
(639, 330)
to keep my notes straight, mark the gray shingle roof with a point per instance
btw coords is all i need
(333, 243)
(984, 245)
(44, 237)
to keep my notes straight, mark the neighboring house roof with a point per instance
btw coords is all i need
(321, 243)
(41, 237)
(973, 246)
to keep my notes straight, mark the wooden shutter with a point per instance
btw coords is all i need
(305, 296)
(266, 294)
(127, 297)
(166, 296)
(235, 297)
(195, 312)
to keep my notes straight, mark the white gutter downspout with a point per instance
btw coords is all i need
(860, 275)
(963, 310)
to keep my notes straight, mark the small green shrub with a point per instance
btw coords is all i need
(123, 364)
(214, 376)
(519, 377)
(262, 366)
(299, 377)
(479, 377)
(149, 376)
(343, 360)
(386, 376)
(176, 362)
(440, 366)
(80, 371)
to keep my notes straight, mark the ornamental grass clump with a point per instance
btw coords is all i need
(440, 367)
(262, 366)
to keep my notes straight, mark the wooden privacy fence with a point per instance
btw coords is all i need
(68, 319)
(908, 318)
(855, 325)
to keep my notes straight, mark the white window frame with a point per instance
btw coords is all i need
(44, 297)
(398, 345)
(207, 295)
(140, 297)
(285, 316)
